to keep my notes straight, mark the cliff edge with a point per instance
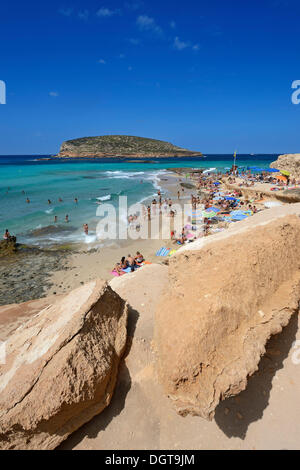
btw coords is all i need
(289, 162)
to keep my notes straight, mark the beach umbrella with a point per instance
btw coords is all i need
(228, 198)
(255, 168)
(212, 209)
(238, 217)
(208, 215)
(280, 177)
(285, 173)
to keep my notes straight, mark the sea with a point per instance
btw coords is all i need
(91, 181)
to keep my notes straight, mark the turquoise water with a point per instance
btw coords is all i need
(88, 181)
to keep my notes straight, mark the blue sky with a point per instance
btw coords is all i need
(213, 76)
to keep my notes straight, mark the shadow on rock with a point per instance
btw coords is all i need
(234, 415)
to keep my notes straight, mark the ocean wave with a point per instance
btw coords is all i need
(119, 174)
(104, 198)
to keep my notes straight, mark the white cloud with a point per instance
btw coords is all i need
(83, 15)
(146, 23)
(65, 11)
(53, 93)
(180, 45)
(104, 12)
(101, 61)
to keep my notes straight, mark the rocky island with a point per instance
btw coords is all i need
(121, 146)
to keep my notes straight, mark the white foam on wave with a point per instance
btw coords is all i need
(209, 170)
(104, 198)
(49, 211)
(119, 174)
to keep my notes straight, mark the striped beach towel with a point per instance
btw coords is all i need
(163, 251)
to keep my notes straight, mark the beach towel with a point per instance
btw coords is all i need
(212, 209)
(114, 273)
(163, 251)
(172, 252)
(127, 270)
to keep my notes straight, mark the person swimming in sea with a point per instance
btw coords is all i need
(86, 229)
(76, 200)
(49, 202)
(67, 218)
(28, 201)
(55, 219)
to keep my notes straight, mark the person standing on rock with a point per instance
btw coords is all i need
(6, 235)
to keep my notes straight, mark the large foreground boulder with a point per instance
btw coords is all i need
(288, 162)
(223, 303)
(61, 367)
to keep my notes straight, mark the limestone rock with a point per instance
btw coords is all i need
(288, 162)
(61, 367)
(12, 316)
(223, 303)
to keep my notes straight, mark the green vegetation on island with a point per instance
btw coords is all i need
(121, 146)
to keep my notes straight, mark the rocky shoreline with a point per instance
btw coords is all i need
(25, 275)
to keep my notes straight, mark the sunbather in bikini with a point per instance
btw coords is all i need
(118, 269)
